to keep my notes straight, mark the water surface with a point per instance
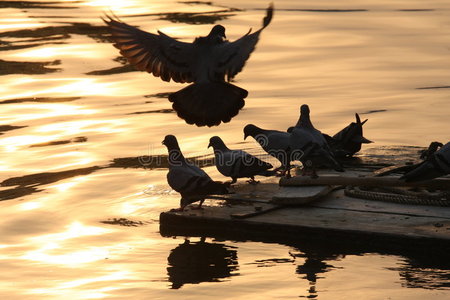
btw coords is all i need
(79, 209)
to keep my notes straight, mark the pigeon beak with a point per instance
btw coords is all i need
(245, 136)
(163, 143)
(224, 36)
(362, 140)
(209, 145)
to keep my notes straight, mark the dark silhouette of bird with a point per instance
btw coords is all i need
(237, 163)
(308, 145)
(210, 62)
(435, 165)
(189, 180)
(349, 140)
(275, 143)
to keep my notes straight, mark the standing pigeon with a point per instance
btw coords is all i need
(348, 141)
(275, 143)
(209, 62)
(309, 145)
(190, 181)
(237, 163)
(435, 165)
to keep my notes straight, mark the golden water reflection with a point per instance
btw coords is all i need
(80, 209)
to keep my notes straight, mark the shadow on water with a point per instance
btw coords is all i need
(26, 185)
(4, 128)
(196, 262)
(197, 18)
(79, 139)
(28, 38)
(40, 100)
(36, 4)
(18, 67)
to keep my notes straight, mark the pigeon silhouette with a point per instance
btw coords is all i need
(308, 145)
(275, 143)
(189, 180)
(436, 164)
(349, 140)
(237, 163)
(210, 62)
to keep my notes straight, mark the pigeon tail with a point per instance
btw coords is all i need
(208, 104)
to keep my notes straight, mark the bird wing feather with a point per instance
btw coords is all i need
(159, 54)
(231, 56)
(185, 179)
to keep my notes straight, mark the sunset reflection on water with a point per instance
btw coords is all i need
(79, 205)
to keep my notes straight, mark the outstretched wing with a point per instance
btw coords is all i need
(159, 54)
(231, 56)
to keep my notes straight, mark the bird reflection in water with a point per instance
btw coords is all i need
(313, 265)
(200, 262)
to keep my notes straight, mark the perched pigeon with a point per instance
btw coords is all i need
(209, 62)
(348, 141)
(308, 145)
(435, 165)
(274, 142)
(190, 181)
(432, 148)
(237, 163)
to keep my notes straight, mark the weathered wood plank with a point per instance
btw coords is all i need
(362, 181)
(300, 195)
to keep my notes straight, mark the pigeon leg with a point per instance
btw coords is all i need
(199, 205)
(181, 208)
(288, 170)
(252, 180)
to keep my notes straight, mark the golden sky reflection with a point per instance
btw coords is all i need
(339, 63)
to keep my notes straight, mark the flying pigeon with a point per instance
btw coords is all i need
(436, 164)
(210, 62)
(237, 163)
(348, 141)
(308, 145)
(275, 143)
(189, 180)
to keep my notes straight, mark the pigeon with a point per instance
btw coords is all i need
(209, 62)
(275, 143)
(237, 163)
(189, 180)
(348, 141)
(436, 164)
(308, 145)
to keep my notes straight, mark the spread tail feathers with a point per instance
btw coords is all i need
(208, 104)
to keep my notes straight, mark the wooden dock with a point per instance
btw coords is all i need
(251, 214)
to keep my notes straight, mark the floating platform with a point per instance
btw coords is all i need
(265, 212)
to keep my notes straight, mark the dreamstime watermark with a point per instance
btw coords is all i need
(220, 157)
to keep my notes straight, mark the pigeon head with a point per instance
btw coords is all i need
(217, 143)
(304, 119)
(170, 141)
(250, 130)
(304, 110)
(218, 30)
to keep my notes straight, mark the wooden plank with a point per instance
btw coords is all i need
(288, 195)
(362, 181)
(258, 211)
(339, 201)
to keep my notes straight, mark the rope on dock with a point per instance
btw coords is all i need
(403, 197)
